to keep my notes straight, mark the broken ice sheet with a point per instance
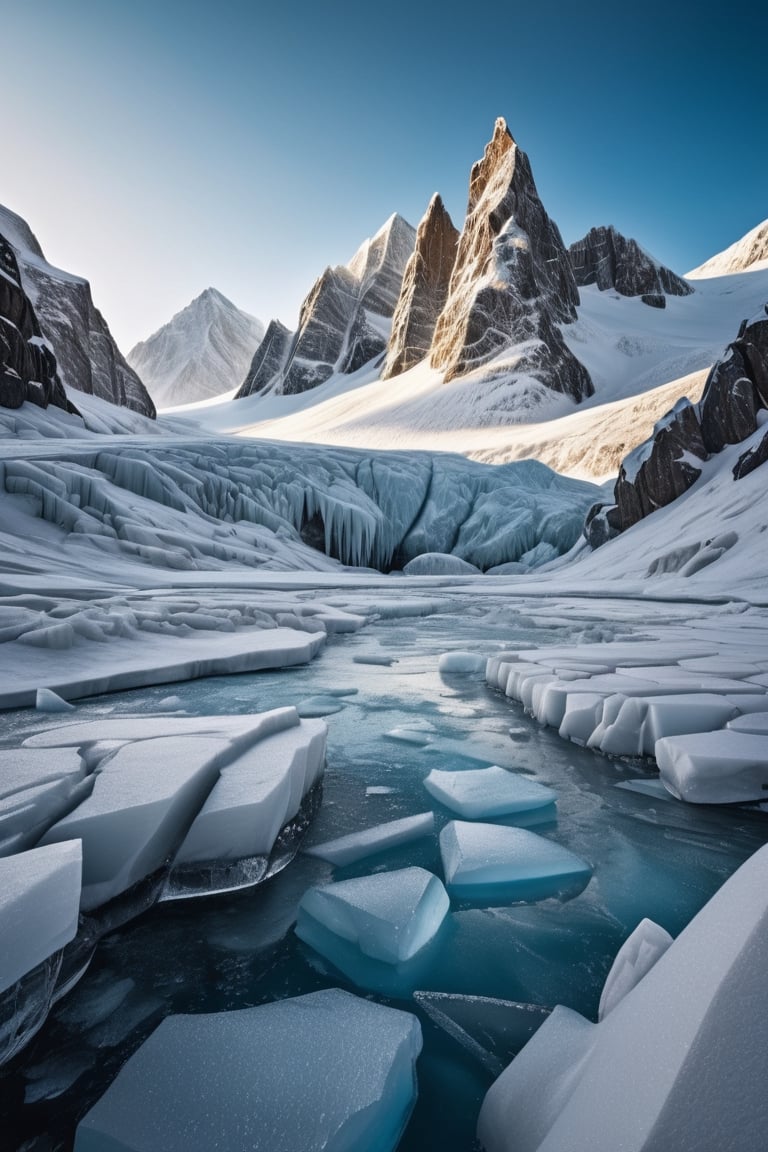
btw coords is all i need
(483, 792)
(492, 1030)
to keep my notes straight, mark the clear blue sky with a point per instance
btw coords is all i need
(161, 146)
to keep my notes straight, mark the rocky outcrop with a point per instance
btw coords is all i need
(424, 290)
(268, 361)
(669, 462)
(609, 260)
(344, 321)
(511, 284)
(27, 364)
(88, 358)
(203, 351)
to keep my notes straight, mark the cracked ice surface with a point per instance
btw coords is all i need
(339, 1076)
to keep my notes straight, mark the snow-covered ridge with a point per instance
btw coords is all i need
(750, 253)
(204, 350)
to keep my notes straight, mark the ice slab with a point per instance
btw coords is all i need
(490, 862)
(128, 728)
(327, 1072)
(389, 916)
(23, 768)
(357, 845)
(256, 795)
(700, 1027)
(715, 767)
(634, 960)
(141, 807)
(48, 701)
(315, 706)
(481, 792)
(461, 662)
(39, 906)
(756, 723)
(631, 727)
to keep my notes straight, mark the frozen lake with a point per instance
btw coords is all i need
(652, 857)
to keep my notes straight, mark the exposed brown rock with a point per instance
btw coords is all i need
(424, 290)
(512, 282)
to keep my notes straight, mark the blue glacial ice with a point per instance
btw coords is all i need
(327, 1072)
(482, 792)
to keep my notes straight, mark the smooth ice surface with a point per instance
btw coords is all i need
(327, 1072)
(715, 768)
(635, 958)
(141, 806)
(39, 906)
(357, 845)
(390, 916)
(256, 795)
(675, 1063)
(481, 792)
(488, 861)
(756, 723)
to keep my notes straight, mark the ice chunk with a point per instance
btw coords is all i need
(319, 706)
(631, 727)
(255, 796)
(389, 916)
(379, 790)
(375, 659)
(635, 958)
(492, 1030)
(481, 792)
(715, 767)
(672, 1066)
(755, 723)
(357, 845)
(141, 806)
(48, 701)
(461, 662)
(39, 906)
(327, 1072)
(492, 862)
(439, 564)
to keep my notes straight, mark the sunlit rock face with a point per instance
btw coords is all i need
(424, 290)
(512, 282)
(27, 364)
(606, 258)
(87, 356)
(344, 321)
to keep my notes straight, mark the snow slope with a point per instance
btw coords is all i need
(204, 350)
(641, 360)
(749, 253)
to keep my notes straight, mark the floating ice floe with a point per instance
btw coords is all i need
(357, 845)
(328, 1071)
(699, 1019)
(389, 916)
(481, 792)
(490, 862)
(461, 662)
(716, 767)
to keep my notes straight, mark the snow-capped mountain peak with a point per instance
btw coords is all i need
(748, 253)
(204, 350)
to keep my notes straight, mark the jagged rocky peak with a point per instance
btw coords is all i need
(424, 289)
(87, 356)
(344, 321)
(27, 364)
(268, 360)
(606, 258)
(669, 462)
(203, 351)
(512, 282)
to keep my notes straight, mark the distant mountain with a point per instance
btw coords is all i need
(745, 254)
(344, 322)
(606, 258)
(87, 356)
(204, 350)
